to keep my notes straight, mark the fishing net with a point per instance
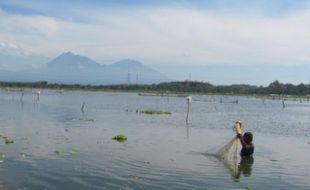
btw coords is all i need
(229, 155)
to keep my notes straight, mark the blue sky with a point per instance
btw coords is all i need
(191, 36)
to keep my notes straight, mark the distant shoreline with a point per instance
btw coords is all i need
(275, 90)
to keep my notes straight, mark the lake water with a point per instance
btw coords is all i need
(56, 146)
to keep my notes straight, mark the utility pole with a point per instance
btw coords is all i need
(137, 79)
(128, 78)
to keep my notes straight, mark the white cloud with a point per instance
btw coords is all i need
(27, 25)
(26, 31)
(169, 35)
(12, 48)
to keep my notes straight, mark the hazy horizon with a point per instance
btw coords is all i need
(222, 42)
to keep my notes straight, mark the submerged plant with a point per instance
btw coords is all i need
(8, 140)
(155, 112)
(120, 138)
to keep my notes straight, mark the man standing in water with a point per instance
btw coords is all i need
(245, 165)
(245, 140)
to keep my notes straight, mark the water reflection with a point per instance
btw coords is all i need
(36, 105)
(245, 167)
(187, 132)
(21, 103)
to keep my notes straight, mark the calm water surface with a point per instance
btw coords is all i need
(161, 152)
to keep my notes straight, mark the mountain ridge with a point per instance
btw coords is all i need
(70, 60)
(71, 68)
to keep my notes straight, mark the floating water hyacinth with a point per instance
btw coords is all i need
(7, 140)
(155, 112)
(73, 152)
(120, 138)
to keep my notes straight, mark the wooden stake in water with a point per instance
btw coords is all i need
(264, 103)
(283, 103)
(21, 98)
(38, 95)
(189, 100)
(83, 107)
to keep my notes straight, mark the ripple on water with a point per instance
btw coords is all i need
(157, 154)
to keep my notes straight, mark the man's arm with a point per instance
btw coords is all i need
(243, 143)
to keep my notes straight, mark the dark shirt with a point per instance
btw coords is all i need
(247, 150)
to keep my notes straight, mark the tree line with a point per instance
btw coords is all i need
(175, 87)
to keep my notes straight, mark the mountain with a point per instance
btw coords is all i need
(71, 68)
(130, 65)
(133, 71)
(69, 61)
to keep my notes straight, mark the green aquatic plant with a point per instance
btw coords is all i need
(73, 152)
(87, 119)
(155, 112)
(120, 138)
(248, 188)
(7, 140)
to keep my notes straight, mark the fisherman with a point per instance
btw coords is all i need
(247, 160)
(245, 140)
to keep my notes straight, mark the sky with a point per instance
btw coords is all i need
(201, 40)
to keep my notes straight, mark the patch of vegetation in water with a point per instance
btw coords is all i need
(155, 112)
(120, 138)
(7, 140)
(73, 152)
(87, 119)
